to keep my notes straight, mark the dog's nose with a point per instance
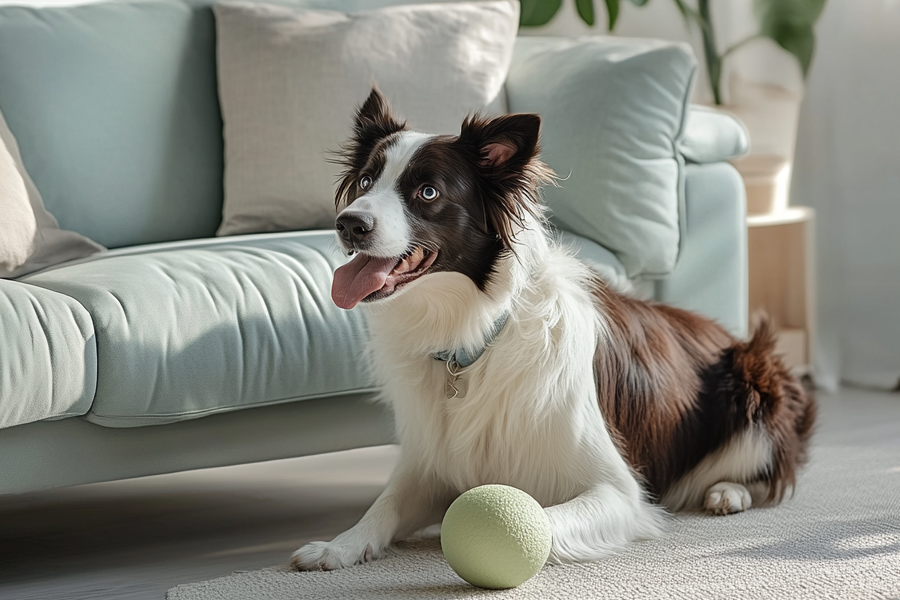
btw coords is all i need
(354, 228)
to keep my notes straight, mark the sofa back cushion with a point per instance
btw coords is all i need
(114, 107)
(614, 113)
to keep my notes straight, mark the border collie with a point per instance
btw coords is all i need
(507, 360)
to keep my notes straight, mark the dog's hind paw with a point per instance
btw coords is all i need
(726, 498)
(328, 556)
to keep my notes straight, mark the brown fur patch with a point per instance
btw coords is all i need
(787, 409)
(675, 386)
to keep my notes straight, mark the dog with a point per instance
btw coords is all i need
(507, 360)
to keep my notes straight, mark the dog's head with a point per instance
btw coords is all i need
(413, 204)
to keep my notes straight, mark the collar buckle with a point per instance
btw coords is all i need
(460, 360)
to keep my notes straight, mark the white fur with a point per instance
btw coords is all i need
(726, 498)
(531, 418)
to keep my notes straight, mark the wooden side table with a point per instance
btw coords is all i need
(781, 268)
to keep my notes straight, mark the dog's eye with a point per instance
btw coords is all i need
(365, 182)
(428, 193)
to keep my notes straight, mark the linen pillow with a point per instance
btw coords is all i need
(30, 238)
(290, 80)
(614, 113)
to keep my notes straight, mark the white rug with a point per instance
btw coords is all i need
(839, 538)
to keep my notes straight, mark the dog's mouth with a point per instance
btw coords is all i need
(367, 278)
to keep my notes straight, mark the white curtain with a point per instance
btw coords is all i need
(847, 167)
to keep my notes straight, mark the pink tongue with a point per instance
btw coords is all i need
(359, 278)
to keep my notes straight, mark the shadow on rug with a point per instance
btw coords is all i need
(839, 537)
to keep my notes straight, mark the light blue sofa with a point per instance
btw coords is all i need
(176, 350)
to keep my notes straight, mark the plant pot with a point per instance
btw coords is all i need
(771, 115)
(767, 179)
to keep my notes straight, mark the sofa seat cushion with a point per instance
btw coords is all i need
(187, 329)
(48, 355)
(604, 262)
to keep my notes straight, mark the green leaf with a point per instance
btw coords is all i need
(586, 11)
(537, 12)
(789, 23)
(640, 2)
(612, 9)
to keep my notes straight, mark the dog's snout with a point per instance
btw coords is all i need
(355, 227)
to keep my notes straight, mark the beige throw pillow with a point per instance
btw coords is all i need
(30, 238)
(290, 80)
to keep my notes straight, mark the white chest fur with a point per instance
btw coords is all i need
(530, 417)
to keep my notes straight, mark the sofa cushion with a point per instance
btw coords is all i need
(193, 328)
(596, 256)
(115, 110)
(290, 80)
(613, 113)
(48, 355)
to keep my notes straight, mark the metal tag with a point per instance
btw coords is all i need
(456, 387)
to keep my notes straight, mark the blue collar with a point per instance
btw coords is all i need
(461, 357)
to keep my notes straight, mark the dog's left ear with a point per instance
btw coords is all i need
(504, 144)
(506, 150)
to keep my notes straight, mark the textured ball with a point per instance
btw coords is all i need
(496, 536)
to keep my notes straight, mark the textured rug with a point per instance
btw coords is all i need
(839, 537)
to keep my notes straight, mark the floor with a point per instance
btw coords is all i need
(135, 539)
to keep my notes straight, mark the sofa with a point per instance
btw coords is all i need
(175, 349)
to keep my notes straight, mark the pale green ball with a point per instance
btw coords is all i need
(496, 536)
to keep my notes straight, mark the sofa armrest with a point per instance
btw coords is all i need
(711, 275)
(713, 136)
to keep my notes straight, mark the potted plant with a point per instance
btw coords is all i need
(769, 112)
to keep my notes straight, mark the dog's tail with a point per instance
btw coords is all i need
(779, 402)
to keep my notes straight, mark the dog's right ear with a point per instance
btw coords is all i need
(373, 123)
(374, 120)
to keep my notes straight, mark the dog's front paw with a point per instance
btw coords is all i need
(328, 556)
(727, 498)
